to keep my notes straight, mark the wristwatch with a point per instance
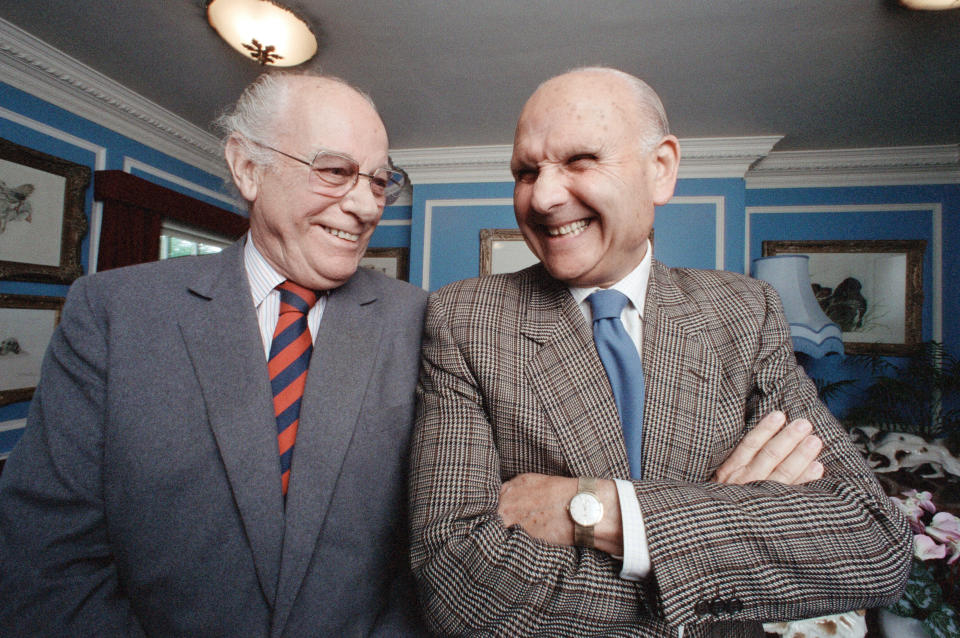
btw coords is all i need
(586, 510)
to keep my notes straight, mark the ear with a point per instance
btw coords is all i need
(666, 160)
(246, 173)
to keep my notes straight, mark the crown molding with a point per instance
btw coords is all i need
(35, 67)
(455, 164)
(895, 166)
(702, 158)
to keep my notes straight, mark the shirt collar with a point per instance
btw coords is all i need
(634, 285)
(262, 276)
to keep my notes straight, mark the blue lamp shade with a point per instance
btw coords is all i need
(814, 334)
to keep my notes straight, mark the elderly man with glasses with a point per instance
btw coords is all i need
(217, 446)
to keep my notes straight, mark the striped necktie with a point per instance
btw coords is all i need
(622, 362)
(289, 358)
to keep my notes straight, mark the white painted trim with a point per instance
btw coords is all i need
(936, 218)
(428, 224)
(719, 203)
(722, 157)
(394, 222)
(130, 164)
(897, 166)
(15, 424)
(455, 164)
(99, 163)
(701, 158)
(33, 66)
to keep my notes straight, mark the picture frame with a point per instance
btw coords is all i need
(503, 250)
(873, 289)
(393, 262)
(26, 324)
(42, 223)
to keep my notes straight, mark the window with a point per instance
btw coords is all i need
(179, 241)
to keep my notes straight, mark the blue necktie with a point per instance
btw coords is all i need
(622, 363)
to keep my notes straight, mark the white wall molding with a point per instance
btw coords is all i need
(428, 212)
(701, 158)
(719, 204)
(722, 157)
(449, 165)
(130, 165)
(895, 166)
(6, 426)
(37, 68)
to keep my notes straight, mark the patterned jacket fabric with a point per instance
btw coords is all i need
(511, 382)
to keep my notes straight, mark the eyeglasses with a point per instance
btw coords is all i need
(336, 175)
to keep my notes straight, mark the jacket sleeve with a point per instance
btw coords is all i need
(771, 551)
(473, 573)
(57, 573)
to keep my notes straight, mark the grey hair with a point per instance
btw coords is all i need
(648, 103)
(253, 119)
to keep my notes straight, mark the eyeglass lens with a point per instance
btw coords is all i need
(332, 171)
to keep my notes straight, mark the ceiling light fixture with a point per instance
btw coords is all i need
(263, 30)
(931, 5)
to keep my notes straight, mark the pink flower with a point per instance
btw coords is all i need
(945, 528)
(914, 506)
(923, 499)
(925, 548)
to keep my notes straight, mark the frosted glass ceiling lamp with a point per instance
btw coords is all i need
(814, 334)
(263, 30)
(931, 5)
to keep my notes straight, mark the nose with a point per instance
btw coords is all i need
(361, 202)
(549, 190)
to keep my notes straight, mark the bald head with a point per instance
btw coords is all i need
(591, 160)
(630, 96)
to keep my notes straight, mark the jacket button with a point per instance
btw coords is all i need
(734, 606)
(718, 607)
(702, 608)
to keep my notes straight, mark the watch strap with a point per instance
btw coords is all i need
(583, 535)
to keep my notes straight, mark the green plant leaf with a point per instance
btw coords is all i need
(943, 623)
(924, 595)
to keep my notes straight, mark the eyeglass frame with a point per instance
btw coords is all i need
(388, 199)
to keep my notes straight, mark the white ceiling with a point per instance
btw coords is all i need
(824, 74)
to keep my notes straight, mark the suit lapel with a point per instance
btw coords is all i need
(344, 353)
(683, 377)
(224, 344)
(569, 380)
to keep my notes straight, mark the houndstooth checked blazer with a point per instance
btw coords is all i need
(511, 382)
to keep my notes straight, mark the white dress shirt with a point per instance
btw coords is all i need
(636, 555)
(264, 280)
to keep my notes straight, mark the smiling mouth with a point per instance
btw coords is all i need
(342, 234)
(568, 230)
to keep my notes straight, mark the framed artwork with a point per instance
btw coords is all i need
(26, 325)
(393, 262)
(872, 289)
(503, 250)
(41, 215)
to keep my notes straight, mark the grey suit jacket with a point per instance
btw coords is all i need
(511, 382)
(145, 493)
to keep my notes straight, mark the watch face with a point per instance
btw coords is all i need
(586, 509)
